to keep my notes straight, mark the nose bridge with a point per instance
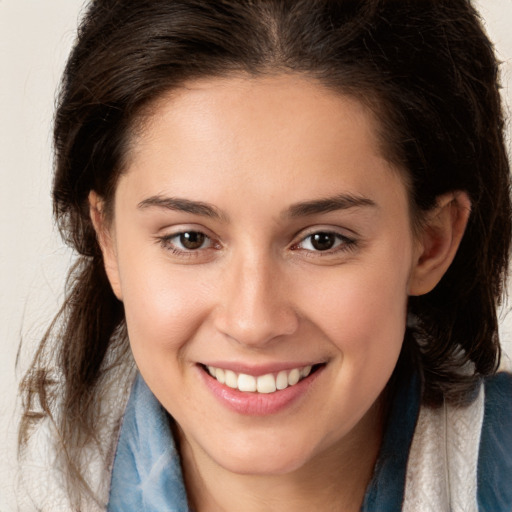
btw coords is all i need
(254, 306)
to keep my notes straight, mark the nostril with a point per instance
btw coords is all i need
(257, 328)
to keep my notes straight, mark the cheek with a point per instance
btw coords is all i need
(362, 310)
(163, 307)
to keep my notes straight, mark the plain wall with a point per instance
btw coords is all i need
(35, 37)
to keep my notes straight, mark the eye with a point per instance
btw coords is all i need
(324, 241)
(192, 240)
(186, 241)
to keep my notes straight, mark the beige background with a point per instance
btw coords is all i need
(35, 36)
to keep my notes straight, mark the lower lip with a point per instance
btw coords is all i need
(258, 404)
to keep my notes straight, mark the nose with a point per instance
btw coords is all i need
(254, 306)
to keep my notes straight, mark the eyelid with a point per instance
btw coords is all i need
(173, 236)
(349, 234)
(347, 241)
(165, 240)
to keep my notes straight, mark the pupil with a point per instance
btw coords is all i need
(192, 240)
(323, 241)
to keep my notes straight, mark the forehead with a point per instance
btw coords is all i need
(250, 103)
(270, 134)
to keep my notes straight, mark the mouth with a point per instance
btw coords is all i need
(262, 384)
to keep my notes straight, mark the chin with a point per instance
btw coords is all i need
(273, 459)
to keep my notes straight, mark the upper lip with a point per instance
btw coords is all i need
(257, 370)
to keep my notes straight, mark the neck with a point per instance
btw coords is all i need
(333, 480)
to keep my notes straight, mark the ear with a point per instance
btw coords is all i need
(106, 240)
(439, 240)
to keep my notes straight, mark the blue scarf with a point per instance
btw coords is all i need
(147, 474)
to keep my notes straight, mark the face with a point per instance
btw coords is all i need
(262, 247)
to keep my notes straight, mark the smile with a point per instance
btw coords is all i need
(268, 383)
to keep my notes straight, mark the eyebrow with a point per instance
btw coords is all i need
(328, 204)
(182, 205)
(302, 209)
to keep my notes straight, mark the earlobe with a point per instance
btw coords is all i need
(440, 238)
(105, 239)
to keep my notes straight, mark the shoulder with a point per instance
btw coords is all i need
(495, 452)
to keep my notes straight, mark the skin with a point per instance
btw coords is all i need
(257, 291)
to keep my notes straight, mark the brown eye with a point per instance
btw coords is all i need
(323, 241)
(188, 243)
(328, 242)
(192, 240)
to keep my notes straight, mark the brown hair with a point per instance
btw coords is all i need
(427, 69)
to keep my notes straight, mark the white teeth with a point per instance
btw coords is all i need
(268, 383)
(282, 380)
(294, 377)
(305, 371)
(246, 382)
(220, 375)
(231, 379)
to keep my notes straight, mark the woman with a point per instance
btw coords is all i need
(293, 221)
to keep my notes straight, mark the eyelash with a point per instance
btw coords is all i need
(166, 243)
(342, 244)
